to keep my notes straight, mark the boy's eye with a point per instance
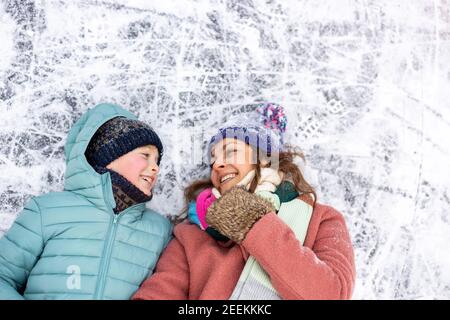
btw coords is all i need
(145, 155)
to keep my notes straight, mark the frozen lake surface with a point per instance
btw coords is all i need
(365, 84)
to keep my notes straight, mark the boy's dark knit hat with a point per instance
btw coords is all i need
(117, 137)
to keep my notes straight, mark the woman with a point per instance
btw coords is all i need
(255, 230)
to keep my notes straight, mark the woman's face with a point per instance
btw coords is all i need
(231, 160)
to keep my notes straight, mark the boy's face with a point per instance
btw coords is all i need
(139, 166)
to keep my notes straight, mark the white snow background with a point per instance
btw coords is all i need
(365, 84)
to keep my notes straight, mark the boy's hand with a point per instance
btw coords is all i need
(235, 213)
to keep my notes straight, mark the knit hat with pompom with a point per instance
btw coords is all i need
(263, 127)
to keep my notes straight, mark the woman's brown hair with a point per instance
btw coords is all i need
(285, 164)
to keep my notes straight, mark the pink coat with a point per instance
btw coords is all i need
(195, 266)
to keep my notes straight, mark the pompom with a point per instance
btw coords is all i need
(273, 116)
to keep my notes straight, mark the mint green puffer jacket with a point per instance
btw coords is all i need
(70, 244)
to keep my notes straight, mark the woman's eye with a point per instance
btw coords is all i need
(231, 151)
(145, 155)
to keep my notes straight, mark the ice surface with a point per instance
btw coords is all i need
(366, 87)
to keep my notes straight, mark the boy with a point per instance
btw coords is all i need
(96, 239)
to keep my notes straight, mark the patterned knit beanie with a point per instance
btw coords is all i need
(117, 137)
(263, 127)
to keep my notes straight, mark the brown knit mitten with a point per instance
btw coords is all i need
(235, 213)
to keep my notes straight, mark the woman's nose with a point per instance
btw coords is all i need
(217, 165)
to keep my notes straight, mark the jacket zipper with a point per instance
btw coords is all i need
(107, 248)
(106, 256)
(106, 253)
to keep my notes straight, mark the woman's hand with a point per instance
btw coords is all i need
(235, 213)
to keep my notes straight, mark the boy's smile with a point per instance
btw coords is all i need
(148, 182)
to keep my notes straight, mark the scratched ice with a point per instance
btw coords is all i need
(365, 85)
